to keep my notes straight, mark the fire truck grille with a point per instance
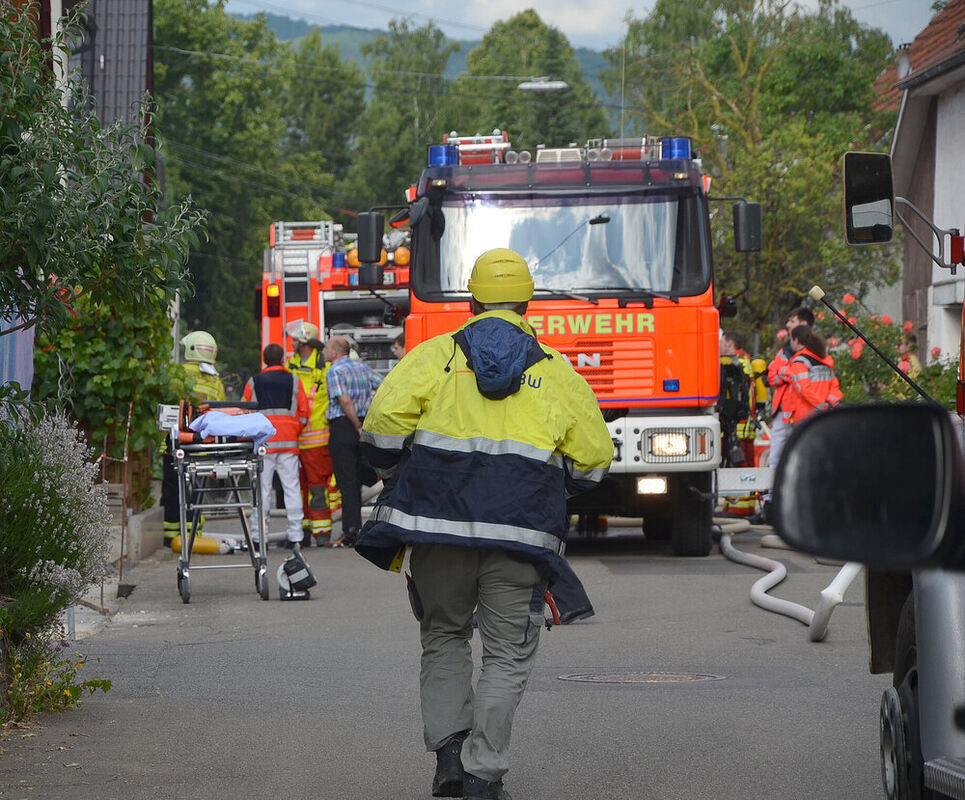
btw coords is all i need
(623, 368)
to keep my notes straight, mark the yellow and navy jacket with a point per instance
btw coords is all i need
(206, 386)
(480, 435)
(312, 375)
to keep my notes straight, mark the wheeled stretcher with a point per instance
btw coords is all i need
(216, 473)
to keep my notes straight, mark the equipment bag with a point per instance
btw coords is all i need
(735, 397)
(299, 575)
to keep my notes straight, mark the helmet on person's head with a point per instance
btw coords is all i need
(200, 346)
(301, 331)
(501, 276)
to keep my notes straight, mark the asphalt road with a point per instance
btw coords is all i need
(705, 695)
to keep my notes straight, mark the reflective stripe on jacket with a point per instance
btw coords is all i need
(811, 386)
(280, 397)
(479, 472)
(774, 380)
(312, 377)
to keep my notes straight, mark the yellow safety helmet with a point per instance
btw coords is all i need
(501, 276)
(200, 346)
(301, 331)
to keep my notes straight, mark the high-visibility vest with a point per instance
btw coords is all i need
(280, 397)
(312, 377)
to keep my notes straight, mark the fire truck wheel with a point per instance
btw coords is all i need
(693, 511)
(901, 760)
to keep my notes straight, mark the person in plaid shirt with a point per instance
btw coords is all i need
(351, 386)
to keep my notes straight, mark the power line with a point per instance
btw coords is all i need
(254, 184)
(404, 89)
(242, 165)
(404, 14)
(328, 195)
(323, 68)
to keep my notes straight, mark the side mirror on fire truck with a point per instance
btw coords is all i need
(747, 227)
(869, 198)
(877, 484)
(371, 228)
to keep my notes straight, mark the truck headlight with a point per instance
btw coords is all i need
(669, 444)
(651, 484)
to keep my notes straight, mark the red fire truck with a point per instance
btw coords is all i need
(311, 273)
(617, 235)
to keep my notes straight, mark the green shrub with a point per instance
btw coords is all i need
(865, 377)
(103, 363)
(43, 676)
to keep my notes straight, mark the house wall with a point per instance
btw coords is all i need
(948, 291)
(916, 300)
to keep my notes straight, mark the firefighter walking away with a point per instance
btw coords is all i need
(479, 436)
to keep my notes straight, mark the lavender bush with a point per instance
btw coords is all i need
(54, 522)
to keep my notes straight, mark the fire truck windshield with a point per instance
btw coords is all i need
(651, 242)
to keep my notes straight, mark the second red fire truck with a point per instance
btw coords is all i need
(310, 273)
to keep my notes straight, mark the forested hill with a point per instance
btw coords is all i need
(350, 40)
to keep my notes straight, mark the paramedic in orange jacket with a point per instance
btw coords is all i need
(280, 397)
(811, 384)
(315, 460)
(779, 432)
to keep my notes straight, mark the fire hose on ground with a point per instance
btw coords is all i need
(828, 599)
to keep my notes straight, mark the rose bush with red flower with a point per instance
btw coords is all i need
(863, 374)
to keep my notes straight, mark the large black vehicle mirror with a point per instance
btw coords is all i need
(877, 484)
(747, 227)
(869, 201)
(371, 228)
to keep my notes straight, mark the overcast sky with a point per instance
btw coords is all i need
(596, 25)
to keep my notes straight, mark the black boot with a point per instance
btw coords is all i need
(447, 781)
(474, 788)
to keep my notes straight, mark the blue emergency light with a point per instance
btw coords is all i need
(443, 155)
(675, 147)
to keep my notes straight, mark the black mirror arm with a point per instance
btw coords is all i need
(940, 234)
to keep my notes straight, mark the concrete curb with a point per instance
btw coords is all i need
(143, 539)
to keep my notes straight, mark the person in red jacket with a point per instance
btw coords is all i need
(281, 398)
(809, 377)
(779, 432)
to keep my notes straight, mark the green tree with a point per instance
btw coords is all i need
(85, 244)
(324, 97)
(408, 109)
(519, 47)
(771, 98)
(221, 83)
(77, 217)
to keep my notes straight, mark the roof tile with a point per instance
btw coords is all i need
(941, 39)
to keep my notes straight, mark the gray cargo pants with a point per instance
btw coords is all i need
(507, 596)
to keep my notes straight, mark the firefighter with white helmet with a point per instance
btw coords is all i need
(315, 461)
(200, 353)
(204, 386)
(480, 435)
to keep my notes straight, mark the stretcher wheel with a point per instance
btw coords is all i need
(184, 585)
(261, 581)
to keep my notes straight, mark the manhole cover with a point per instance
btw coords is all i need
(640, 677)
